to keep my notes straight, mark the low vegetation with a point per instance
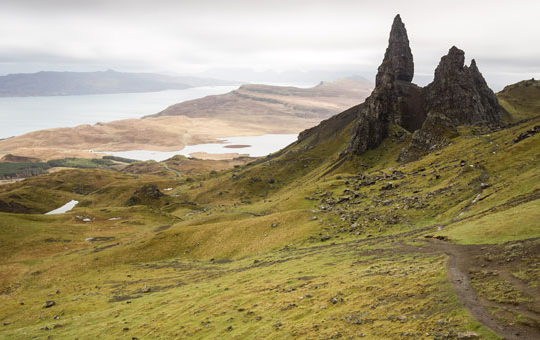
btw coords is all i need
(300, 244)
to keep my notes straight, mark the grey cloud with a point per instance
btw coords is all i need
(194, 36)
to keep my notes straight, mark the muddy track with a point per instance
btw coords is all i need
(461, 260)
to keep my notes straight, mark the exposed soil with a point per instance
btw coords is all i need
(465, 261)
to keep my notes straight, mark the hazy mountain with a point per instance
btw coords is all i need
(80, 83)
(250, 110)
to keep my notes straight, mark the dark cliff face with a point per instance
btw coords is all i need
(461, 93)
(458, 95)
(394, 100)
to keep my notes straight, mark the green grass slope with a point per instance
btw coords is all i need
(521, 100)
(301, 244)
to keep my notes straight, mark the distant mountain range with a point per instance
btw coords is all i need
(102, 82)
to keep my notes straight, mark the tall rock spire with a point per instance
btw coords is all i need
(457, 96)
(395, 100)
(398, 60)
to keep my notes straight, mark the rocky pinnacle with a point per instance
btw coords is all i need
(458, 95)
(461, 93)
(398, 60)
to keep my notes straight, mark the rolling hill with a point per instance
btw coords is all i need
(338, 235)
(250, 110)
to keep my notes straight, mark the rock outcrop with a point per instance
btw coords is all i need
(436, 133)
(147, 194)
(398, 60)
(394, 100)
(458, 95)
(461, 93)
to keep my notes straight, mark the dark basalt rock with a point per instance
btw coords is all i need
(458, 95)
(148, 192)
(527, 134)
(398, 60)
(461, 93)
(436, 133)
(394, 100)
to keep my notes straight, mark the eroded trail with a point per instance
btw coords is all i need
(466, 261)
(470, 269)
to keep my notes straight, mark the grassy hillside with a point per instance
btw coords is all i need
(522, 99)
(300, 244)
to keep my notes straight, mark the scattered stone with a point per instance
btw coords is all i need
(49, 304)
(335, 300)
(99, 239)
(229, 329)
(325, 238)
(388, 186)
(467, 335)
(527, 134)
(336, 335)
(274, 225)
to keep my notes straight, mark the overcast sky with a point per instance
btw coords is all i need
(220, 37)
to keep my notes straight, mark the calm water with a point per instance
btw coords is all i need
(19, 115)
(65, 208)
(258, 146)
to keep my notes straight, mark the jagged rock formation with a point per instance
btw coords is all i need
(394, 100)
(458, 95)
(436, 132)
(398, 60)
(461, 93)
